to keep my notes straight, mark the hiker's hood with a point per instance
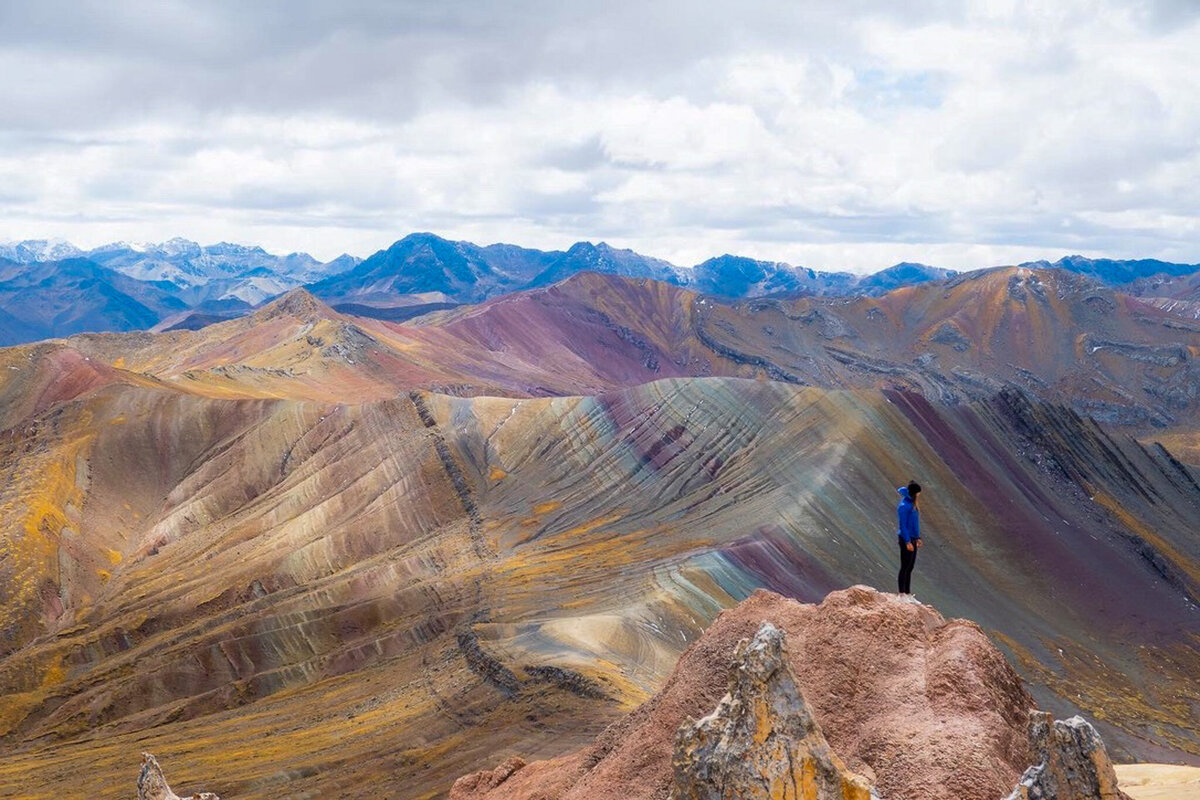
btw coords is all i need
(903, 490)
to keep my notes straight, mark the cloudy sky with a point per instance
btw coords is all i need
(839, 135)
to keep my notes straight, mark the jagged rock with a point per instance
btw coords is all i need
(762, 740)
(950, 334)
(1073, 764)
(152, 784)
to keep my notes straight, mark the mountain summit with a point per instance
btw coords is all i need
(607, 260)
(299, 303)
(433, 269)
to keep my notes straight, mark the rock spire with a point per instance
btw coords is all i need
(762, 741)
(1072, 762)
(152, 784)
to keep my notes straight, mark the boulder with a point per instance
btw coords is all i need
(762, 741)
(1072, 762)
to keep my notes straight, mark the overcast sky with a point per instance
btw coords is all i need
(840, 135)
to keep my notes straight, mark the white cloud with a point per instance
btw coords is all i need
(848, 135)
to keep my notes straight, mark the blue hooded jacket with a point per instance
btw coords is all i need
(909, 516)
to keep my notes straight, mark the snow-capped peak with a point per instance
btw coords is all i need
(30, 251)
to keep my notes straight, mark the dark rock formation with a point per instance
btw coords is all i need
(762, 740)
(1072, 762)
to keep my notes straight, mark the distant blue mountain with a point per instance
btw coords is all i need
(425, 268)
(75, 295)
(52, 288)
(902, 274)
(603, 258)
(189, 265)
(425, 264)
(32, 251)
(738, 276)
(1116, 272)
(440, 270)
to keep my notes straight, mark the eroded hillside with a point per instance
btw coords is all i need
(353, 554)
(395, 591)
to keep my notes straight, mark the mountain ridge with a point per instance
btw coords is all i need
(1060, 336)
(424, 271)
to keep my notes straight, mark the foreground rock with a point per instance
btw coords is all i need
(929, 707)
(1072, 763)
(761, 742)
(480, 782)
(152, 784)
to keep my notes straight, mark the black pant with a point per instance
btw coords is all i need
(908, 560)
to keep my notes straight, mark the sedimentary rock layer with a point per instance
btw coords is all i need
(1059, 336)
(396, 591)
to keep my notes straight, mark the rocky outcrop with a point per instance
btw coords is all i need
(762, 741)
(152, 784)
(923, 706)
(1072, 762)
(485, 780)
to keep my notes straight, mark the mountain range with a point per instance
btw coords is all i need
(181, 284)
(361, 557)
(182, 263)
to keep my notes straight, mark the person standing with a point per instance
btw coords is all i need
(908, 534)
